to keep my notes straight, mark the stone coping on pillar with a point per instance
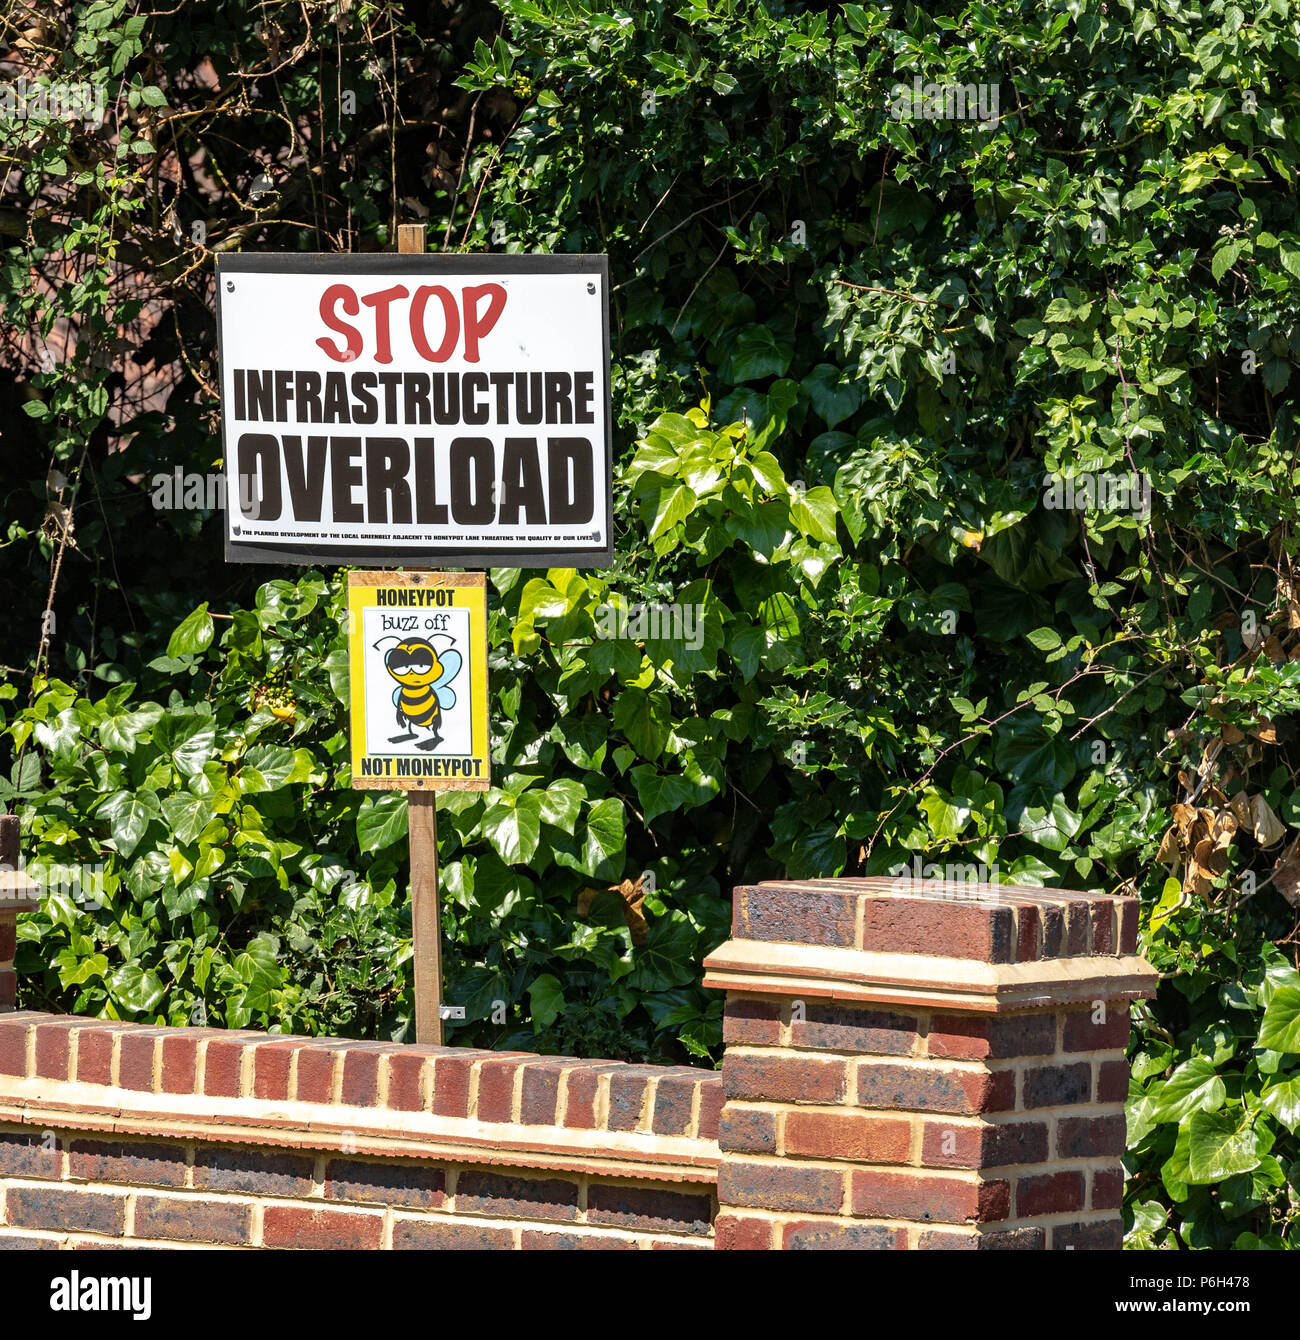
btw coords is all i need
(949, 944)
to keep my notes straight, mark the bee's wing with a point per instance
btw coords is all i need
(451, 663)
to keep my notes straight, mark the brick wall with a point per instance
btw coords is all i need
(157, 1136)
(906, 1066)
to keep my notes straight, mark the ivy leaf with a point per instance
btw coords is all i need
(1193, 1085)
(546, 1000)
(128, 814)
(382, 821)
(1221, 1144)
(603, 850)
(135, 989)
(1280, 1028)
(514, 827)
(193, 634)
(1283, 1102)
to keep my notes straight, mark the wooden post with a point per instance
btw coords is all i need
(426, 922)
(426, 927)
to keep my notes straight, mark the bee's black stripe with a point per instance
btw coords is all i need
(410, 696)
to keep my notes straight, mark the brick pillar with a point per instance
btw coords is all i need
(17, 894)
(924, 1065)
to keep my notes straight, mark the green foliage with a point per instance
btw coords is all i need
(910, 646)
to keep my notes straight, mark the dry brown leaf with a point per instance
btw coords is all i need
(1168, 852)
(1269, 829)
(1265, 731)
(633, 895)
(1240, 807)
(1229, 734)
(1286, 874)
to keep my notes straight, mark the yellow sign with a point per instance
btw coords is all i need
(417, 651)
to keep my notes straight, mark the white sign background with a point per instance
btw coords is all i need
(551, 322)
(381, 714)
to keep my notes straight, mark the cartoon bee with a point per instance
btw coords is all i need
(422, 674)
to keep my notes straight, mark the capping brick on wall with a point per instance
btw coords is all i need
(924, 1065)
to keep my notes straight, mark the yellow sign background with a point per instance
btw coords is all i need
(449, 610)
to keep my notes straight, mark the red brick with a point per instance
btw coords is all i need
(8, 939)
(1112, 1082)
(1026, 934)
(534, 1239)
(1104, 1236)
(13, 1047)
(65, 1210)
(431, 1235)
(914, 1195)
(52, 1050)
(8, 988)
(629, 1088)
(1128, 925)
(504, 1195)
(222, 1059)
(192, 1219)
(974, 1038)
(674, 1101)
(753, 1022)
(1083, 1035)
(298, 1226)
(580, 1087)
(649, 1209)
(1078, 920)
(387, 1183)
(948, 927)
(95, 1055)
(742, 1233)
(271, 1063)
(784, 1078)
(1015, 1239)
(540, 1092)
(814, 1235)
(747, 1130)
(793, 1187)
(991, 1146)
(922, 1088)
(846, 1028)
(451, 1076)
(794, 915)
(848, 1135)
(135, 1059)
(1090, 1137)
(253, 1171)
(127, 1162)
(315, 1079)
(1103, 926)
(360, 1076)
(496, 1087)
(1107, 1189)
(180, 1060)
(405, 1075)
(712, 1097)
(1056, 1085)
(28, 1153)
(1049, 1193)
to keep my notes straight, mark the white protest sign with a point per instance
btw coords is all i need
(416, 410)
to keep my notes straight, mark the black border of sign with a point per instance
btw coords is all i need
(431, 263)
